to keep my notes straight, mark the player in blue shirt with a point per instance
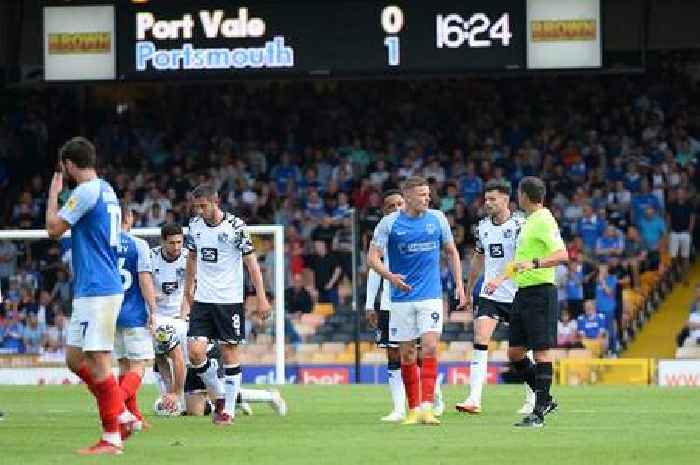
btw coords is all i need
(413, 239)
(93, 215)
(133, 344)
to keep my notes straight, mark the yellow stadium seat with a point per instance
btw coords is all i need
(324, 309)
(321, 357)
(345, 357)
(332, 347)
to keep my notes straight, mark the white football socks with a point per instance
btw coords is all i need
(477, 375)
(232, 384)
(398, 394)
(210, 377)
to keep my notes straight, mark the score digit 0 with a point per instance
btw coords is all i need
(392, 22)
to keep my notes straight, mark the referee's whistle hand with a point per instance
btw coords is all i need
(523, 266)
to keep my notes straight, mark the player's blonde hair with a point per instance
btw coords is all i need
(414, 181)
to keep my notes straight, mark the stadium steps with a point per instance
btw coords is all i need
(657, 339)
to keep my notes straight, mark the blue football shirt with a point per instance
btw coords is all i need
(413, 246)
(94, 215)
(134, 258)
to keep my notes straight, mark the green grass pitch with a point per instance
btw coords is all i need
(339, 425)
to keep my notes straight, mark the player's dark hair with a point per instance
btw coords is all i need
(499, 185)
(125, 208)
(204, 190)
(80, 151)
(390, 192)
(171, 229)
(533, 188)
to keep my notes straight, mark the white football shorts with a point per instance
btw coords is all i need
(93, 322)
(410, 320)
(133, 344)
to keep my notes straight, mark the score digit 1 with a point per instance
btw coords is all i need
(392, 22)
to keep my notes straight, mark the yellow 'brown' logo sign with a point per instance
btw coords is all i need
(563, 30)
(76, 43)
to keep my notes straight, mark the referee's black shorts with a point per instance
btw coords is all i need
(223, 323)
(533, 322)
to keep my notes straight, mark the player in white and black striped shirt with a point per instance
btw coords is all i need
(219, 244)
(495, 248)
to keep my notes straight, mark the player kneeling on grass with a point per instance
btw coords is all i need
(169, 369)
(199, 400)
(133, 346)
(170, 339)
(496, 239)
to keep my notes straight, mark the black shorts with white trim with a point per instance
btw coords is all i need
(493, 309)
(218, 322)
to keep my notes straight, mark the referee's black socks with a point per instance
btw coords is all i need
(526, 369)
(543, 382)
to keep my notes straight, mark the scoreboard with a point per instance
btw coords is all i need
(224, 39)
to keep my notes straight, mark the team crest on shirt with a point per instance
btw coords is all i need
(508, 233)
(180, 273)
(223, 237)
(430, 228)
(71, 204)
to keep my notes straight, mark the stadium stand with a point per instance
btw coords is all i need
(303, 154)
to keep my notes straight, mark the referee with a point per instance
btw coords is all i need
(533, 324)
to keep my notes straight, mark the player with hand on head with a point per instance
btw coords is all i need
(93, 215)
(133, 345)
(412, 239)
(495, 248)
(219, 245)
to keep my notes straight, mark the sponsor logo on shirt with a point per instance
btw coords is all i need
(418, 247)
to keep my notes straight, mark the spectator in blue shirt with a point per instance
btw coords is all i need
(606, 300)
(33, 334)
(285, 173)
(642, 201)
(314, 209)
(471, 185)
(12, 336)
(652, 229)
(612, 243)
(574, 288)
(592, 325)
(590, 227)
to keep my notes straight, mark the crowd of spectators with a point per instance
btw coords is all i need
(619, 155)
